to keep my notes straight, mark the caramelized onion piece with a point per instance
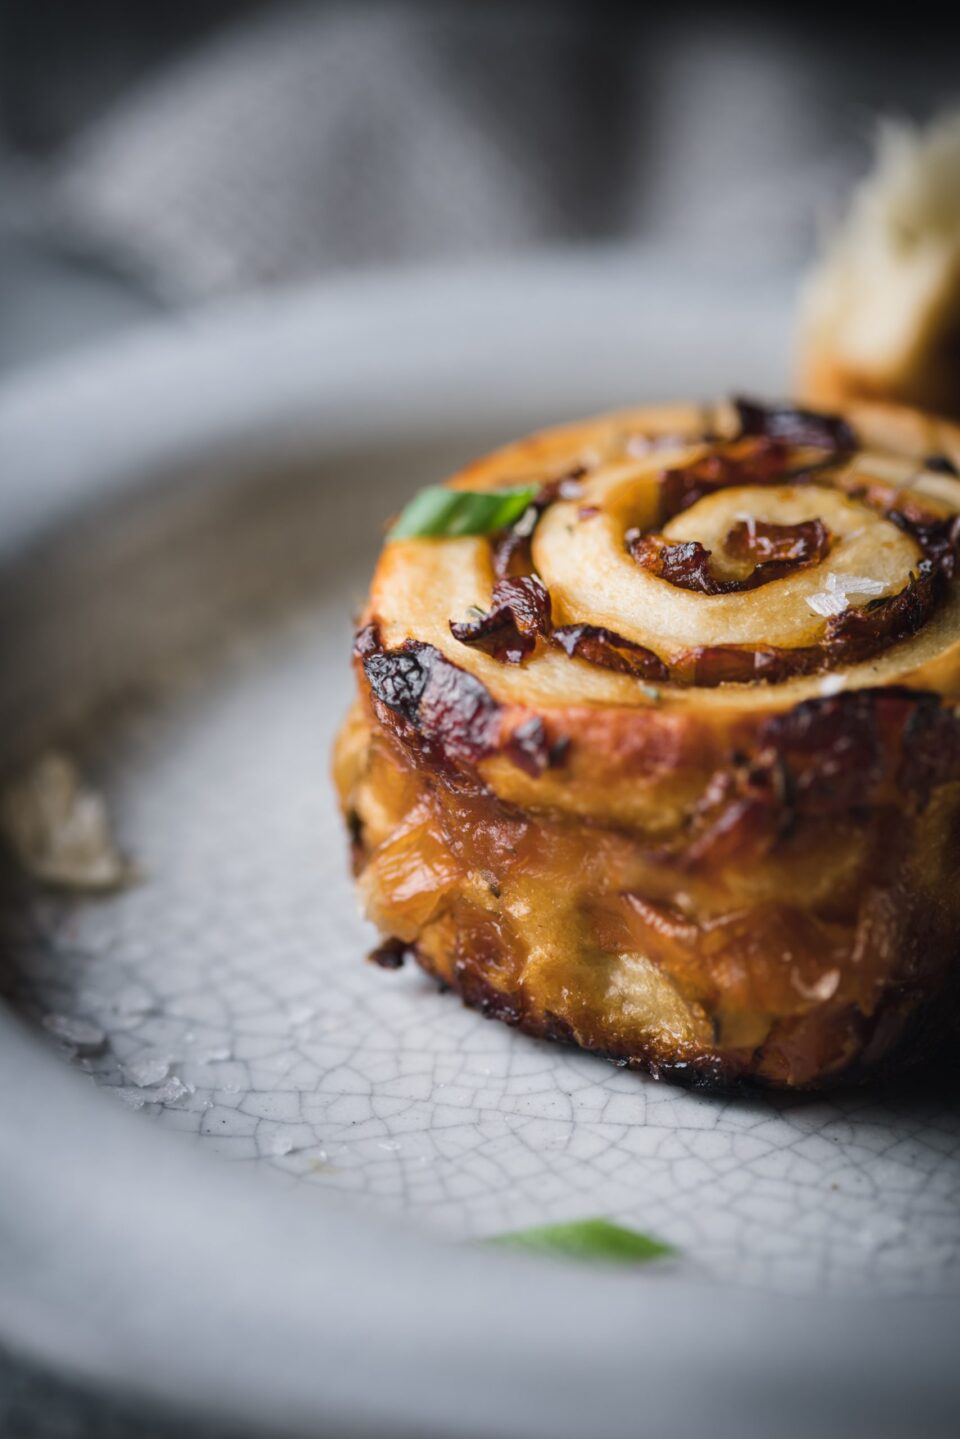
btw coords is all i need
(794, 426)
(939, 539)
(530, 749)
(825, 757)
(391, 954)
(805, 543)
(710, 665)
(849, 638)
(941, 464)
(764, 462)
(843, 750)
(686, 565)
(610, 651)
(859, 633)
(519, 613)
(422, 696)
(510, 549)
(437, 710)
(779, 549)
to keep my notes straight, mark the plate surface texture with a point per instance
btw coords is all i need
(191, 525)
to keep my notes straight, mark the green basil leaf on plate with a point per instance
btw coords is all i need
(593, 1240)
(440, 513)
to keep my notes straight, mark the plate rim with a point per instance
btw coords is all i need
(240, 374)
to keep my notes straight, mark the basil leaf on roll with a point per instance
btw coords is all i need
(440, 513)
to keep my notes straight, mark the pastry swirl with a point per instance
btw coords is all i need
(671, 768)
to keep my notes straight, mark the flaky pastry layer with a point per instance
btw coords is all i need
(704, 818)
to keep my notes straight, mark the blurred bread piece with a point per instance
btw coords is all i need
(881, 315)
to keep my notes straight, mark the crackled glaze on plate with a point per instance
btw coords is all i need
(234, 1003)
(188, 524)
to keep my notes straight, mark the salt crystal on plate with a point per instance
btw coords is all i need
(171, 1091)
(134, 1098)
(150, 1070)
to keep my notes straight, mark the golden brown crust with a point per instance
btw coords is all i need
(739, 881)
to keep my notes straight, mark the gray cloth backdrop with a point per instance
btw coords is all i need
(321, 137)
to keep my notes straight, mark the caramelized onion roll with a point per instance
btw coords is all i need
(670, 769)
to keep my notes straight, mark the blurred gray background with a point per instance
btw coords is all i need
(160, 157)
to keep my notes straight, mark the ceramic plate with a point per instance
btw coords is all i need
(241, 1167)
